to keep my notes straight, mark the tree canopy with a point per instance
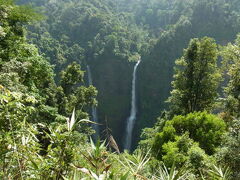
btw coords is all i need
(196, 78)
(47, 99)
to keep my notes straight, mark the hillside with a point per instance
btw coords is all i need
(157, 78)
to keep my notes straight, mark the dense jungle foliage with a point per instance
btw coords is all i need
(188, 89)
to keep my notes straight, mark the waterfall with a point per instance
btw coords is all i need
(131, 119)
(94, 109)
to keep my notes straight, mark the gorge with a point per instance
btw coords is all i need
(120, 89)
(109, 36)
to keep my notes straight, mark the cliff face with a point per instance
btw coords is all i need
(113, 82)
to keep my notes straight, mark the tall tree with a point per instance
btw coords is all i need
(230, 153)
(196, 78)
(231, 56)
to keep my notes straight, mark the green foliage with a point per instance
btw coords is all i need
(197, 157)
(175, 23)
(71, 76)
(231, 56)
(173, 173)
(229, 154)
(218, 173)
(15, 107)
(196, 78)
(107, 34)
(103, 32)
(34, 138)
(203, 128)
(70, 95)
(37, 140)
(92, 33)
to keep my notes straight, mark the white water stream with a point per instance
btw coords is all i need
(131, 119)
(94, 109)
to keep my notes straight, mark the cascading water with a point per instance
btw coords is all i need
(94, 109)
(131, 119)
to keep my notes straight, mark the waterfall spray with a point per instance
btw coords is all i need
(94, 109)
(131, 119)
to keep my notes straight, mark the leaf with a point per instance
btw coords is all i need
(72, 121)
(64, 178)
(113, 144)
(107, 168)
(87, 121)
(34, 164)
(92, 144)
(125, 176)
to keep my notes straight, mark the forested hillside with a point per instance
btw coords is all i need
(165, 74)
(109, 35)
(93, 33)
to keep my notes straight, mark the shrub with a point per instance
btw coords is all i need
(187, 138)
